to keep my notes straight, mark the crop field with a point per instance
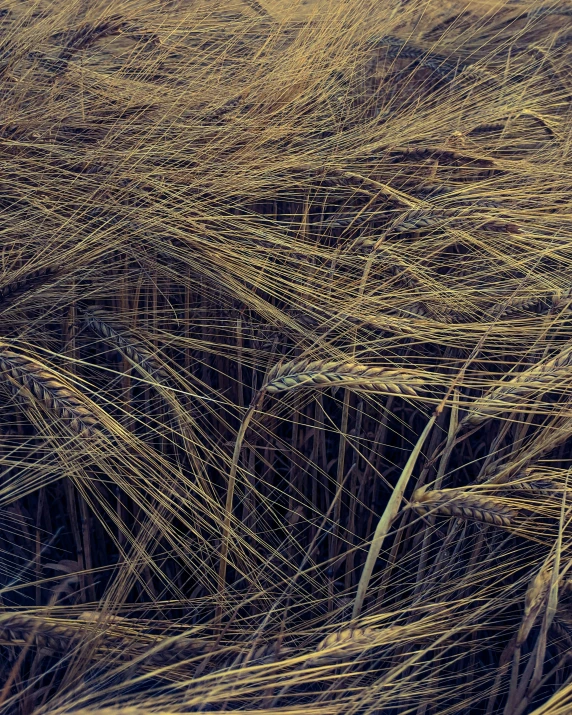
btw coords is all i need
(285, 357)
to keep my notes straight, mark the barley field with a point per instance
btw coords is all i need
(285, 357)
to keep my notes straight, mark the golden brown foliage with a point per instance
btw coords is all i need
(285, 347)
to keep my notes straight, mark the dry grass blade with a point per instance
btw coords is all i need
(389, 514)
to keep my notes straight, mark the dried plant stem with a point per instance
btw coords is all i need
(226, 527)
(384, 524)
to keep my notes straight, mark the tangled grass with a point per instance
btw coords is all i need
(285, 339)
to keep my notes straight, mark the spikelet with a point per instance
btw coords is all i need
(488, 127)
(561, 298)
(419, 220)
(539, 378)
(56, 636)
(430, 191)
(524, 462)
(464, 505)
(334, 176)
(338, 646)
(406, 278)
(397, 48)
(422, 309)
(500, 227)
(226, 108)
(547, 124)
(499, 310)
(31, 381)
(417, 310)
(442, 155)
(325, 373)
(539, 487)
(264, 653)
(104, 325)
(531, 481)
(158, 653)
(26, 282)
(172, 651)
(89, 33)
(534, 600)
(339, 221)
(60, 637)
(103, 618)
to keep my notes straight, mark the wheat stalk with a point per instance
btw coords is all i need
(535, 598)
(60, 637)
(17, 629)
(500, 310)
(325, 373)
(338, 645)
(103, 325)
(89, 33)
(26, 282)
(442, 155)
(464, 505)
(539, 378)
(397, 48)
(30, 379)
